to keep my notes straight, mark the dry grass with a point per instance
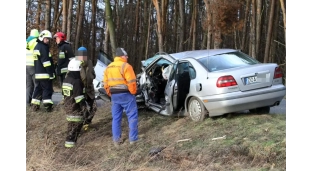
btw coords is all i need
(253, 142)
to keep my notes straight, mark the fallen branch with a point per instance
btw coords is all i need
(219, 138)
(184, 140)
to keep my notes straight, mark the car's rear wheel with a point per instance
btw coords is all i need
(260, 110)
(196, 110)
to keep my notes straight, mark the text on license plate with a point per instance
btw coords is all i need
(250, 80)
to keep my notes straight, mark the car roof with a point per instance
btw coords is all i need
(200, 53)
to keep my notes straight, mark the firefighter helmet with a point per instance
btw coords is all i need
(34, 33)
(60, 35)
(74, 65)
(45, 33)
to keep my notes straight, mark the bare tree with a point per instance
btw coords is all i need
(269, 34)
(110, 25)
(243, 45)
(38, 15)
(48, 15)
(79, 23)
(93, 33)
(64, 19)
(159, 26)
(284, 16)
(258, 26)
(181, 25)
(69, 18)
(252, 51)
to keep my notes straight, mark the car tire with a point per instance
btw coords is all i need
(260, 110)
(196, 110)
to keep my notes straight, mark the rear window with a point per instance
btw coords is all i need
(227, 61)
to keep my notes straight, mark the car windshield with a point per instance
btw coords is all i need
(227, 61)
(160, 62)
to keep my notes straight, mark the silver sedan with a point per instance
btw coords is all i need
(203, 83)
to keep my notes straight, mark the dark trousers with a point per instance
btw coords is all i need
(43, 90)
(30, 83)
(90, 114)
(61, 78)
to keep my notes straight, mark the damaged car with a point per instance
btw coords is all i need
(203, 83)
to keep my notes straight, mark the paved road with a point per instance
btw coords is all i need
(281, 109)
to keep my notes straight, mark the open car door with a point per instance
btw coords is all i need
(102, 62)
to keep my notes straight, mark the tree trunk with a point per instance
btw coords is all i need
(93, 31)
(110, 24)
(29, 2)
(159, 26)
(181, 25)
(69, 19)
(55, 15)
(79, 23)
(64, 19)
(258, 27)
(76, 24)
(148, 30)
(253, 30)
(245, 26)
(274, 33)
(47, 25)
(269, 34)
(284, 16)
(195, 4)
(37, 25)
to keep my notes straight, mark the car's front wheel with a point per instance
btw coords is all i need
(196, 110)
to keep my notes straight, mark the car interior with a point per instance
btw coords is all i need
(182, 74)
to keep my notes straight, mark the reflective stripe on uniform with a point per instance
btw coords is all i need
(47, 101)
(47, 63)
(64, 70)
(50, 55)
(84, 90)
(69, 144)
(71, 118)
(79, 98)
(42, 76)
(36, 52)
(61, 55)
(131, 81)
(35, 101)
(67, 86)
(116, 79)
(29, 58)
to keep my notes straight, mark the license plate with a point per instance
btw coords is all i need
(250, 80)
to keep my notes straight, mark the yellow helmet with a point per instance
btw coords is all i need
(34, 33)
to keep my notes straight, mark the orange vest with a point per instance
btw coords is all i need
(119, 74)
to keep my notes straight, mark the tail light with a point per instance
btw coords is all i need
(226, 81)
(278, 73)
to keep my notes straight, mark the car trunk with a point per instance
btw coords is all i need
(254, 76)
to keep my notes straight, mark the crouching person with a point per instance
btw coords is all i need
(74, 102)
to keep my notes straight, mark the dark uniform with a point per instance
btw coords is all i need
(44, 74)
(74, 106)
(65, 52)
(87, 75)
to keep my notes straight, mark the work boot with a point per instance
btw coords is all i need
(48, 107)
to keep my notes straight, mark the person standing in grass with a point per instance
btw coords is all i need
(74, 102)
(120, 83)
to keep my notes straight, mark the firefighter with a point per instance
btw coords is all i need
(87, 74)
(74, 102)
(44, 73)
(120, 83)
(31, 42)
(65, 53)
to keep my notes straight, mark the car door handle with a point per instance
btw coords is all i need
(200, 86)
